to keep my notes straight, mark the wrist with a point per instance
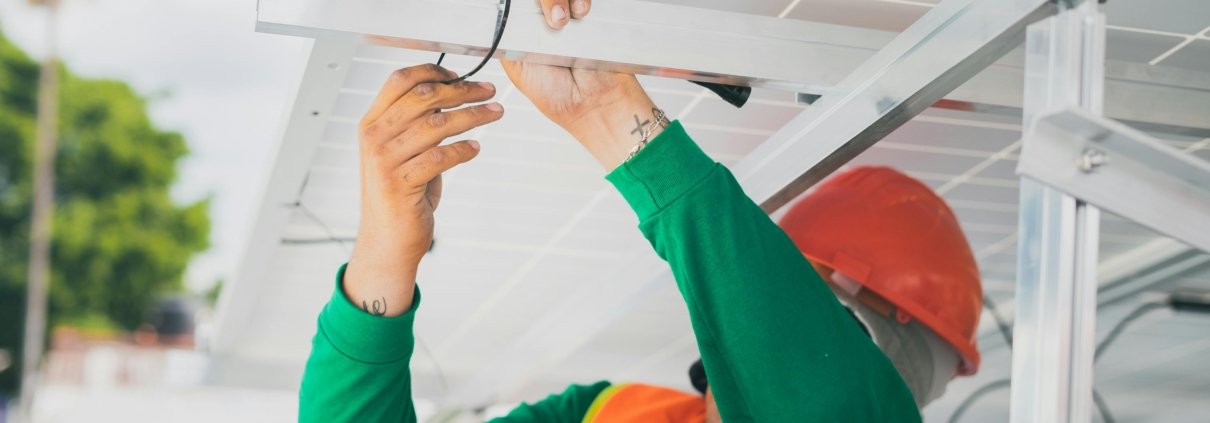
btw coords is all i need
(611, 131)
(380, 279)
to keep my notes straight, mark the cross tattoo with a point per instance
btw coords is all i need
(638, 126)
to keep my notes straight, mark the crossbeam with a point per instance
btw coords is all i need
(711, 46)
(941, 51)
(1122, 170)
(619, 35)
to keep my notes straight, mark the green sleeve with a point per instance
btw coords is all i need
(358, 372)
(776, 344)
(358, 369)
(567, 407)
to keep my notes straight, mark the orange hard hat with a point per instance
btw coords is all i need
(900, 241)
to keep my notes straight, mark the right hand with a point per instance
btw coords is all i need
(556, 11)
(401, 166)
(600, 109)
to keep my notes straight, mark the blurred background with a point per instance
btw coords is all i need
(170, 121)
(167, 115)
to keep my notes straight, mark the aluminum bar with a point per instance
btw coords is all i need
(1123, 170)
(1146, 97)
(942, 50)
(1055, 330)
(322, 74)
(620, 35)
(712, 46)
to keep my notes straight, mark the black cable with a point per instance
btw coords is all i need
(331, 235)
(439, 59)
(1006, 332)
(1102, 407)
(445, 385)
(492, 51)
(958, 412)
(1117, 329)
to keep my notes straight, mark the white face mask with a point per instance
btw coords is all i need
(935, 362)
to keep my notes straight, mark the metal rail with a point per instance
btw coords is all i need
(941, 51)
(1055, 331)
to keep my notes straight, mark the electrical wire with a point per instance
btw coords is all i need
(1006, 332)
(331, 235)
(1117, 329)
(1102, 407)
(490, 52)
(991, 387)
(1005, 329)
(298, 205)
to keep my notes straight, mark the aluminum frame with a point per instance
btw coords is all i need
(1054, 332)
(760, 51)
(619, 35)
(325, 67)
(938, 53)
(1142, 179)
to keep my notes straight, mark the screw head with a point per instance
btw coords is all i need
(1091, 159)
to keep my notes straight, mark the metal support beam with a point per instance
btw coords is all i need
(620, 35)
(1124, 171)
(942, 50)
(1054, 334)
(303, 126)
(712, 46)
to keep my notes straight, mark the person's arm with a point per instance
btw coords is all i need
(570, 406)
(358, 368)
(776, 344)
(358, 372)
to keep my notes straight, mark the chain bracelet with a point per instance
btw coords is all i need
(661, 120)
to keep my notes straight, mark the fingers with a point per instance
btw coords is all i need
(439, 126)
(579, 8)
(426, 166)
(422, 101)
(400, 83)
(557, 13)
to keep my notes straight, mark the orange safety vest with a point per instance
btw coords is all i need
(639, 403)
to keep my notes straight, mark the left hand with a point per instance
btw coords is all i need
(401, 164)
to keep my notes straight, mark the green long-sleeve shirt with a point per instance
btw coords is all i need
(776, 344)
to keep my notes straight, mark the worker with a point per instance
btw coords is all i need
(861, 314)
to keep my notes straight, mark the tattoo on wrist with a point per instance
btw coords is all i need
(638, 126)
(644, 130)
(375, 308)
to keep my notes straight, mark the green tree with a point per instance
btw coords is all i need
(119, 241)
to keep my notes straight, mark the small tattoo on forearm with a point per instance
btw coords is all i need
(638, 126)
(375, 308)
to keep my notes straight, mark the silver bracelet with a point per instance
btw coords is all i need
(660, 119)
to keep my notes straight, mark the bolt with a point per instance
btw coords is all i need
(1091, 159)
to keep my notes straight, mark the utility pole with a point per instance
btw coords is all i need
(43, 213)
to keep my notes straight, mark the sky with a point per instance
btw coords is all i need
(226, 85)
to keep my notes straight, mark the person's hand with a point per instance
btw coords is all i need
(558, 11)
(401, 166)
(600, 109)
(607, 112)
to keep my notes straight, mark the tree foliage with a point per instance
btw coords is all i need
(119, 240)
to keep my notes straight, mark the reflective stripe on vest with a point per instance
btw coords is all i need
(639, 403)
